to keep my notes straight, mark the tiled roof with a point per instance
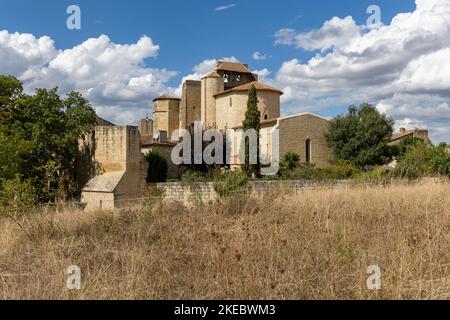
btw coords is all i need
(245, 87)
(232, 66)
(213, 74)
(166, 97)
(400, 135)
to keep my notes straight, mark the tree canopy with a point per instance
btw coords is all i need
(361, 136)
(39, 137)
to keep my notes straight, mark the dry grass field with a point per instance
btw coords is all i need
(316, 245)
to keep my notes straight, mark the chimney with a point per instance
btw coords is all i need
(402, 130)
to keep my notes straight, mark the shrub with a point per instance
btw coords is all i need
(17, 195)
(291, 160)
(341, 170)
(157, 168)
(439, 160)
(230, 183)
(413, 164)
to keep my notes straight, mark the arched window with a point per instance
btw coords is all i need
(266, 117)
(308, 150)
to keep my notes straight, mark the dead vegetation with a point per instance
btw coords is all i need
(314, 245)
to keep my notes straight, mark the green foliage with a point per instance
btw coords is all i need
(361, 137)
(157, 168)
(421, 160)
(439, 160)
(413, 163)
(252, 121)
(291, 160)
(39, 137)
(231, 183)
(17, 195)
(341, 170)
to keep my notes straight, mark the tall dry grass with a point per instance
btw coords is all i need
(315, 245)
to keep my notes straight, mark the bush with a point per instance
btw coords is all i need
(341, 170)
(17, 195)
(157, 168)
(439, 160)
(230, 183)
(291, 160)
(414, 163)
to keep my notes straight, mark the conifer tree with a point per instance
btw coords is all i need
(252, 121)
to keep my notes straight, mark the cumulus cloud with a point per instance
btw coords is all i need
(403, 67)
(259, 56)
(21, 52)
(114, 77)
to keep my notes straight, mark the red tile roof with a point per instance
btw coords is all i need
(246, 87)
(232, 66)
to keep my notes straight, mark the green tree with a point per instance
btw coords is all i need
(439, 160)
(46, 130)
(361, 137)
(252, 121)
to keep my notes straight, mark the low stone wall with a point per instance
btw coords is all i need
(204, 192)
(188, 193)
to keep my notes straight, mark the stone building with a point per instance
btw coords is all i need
(219, 101)
(400, 136)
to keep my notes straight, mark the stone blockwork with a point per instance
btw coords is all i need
(231, 107)
(122, 166)
(302, 132)
(190, 107)
(204, 192)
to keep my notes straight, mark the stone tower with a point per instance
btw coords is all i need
(166, 116)
(146, 127)
(190, 107)
(212, 84)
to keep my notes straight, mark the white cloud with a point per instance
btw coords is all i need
(114, 77)
(263, 74)
(403, 67)
(20, 52)
(225, 7)
(259, 56)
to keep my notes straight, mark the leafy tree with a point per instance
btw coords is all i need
(439, 160)
(45, 129)
(361, 137)
(157, 168)
(252, 121)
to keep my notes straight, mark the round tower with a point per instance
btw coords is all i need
(166, 116)
(212, 84)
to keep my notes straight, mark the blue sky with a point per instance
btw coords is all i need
(185, 34)
(189, 31)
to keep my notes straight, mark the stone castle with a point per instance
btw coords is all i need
(218, 101)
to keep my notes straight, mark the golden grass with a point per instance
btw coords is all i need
(315, 245)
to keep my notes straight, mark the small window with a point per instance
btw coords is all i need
(231, 101)
(308, 150)
(266, 117)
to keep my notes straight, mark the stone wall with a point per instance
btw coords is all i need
(204, 192)
(190, 107)
(296, 130)
(231, 107)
